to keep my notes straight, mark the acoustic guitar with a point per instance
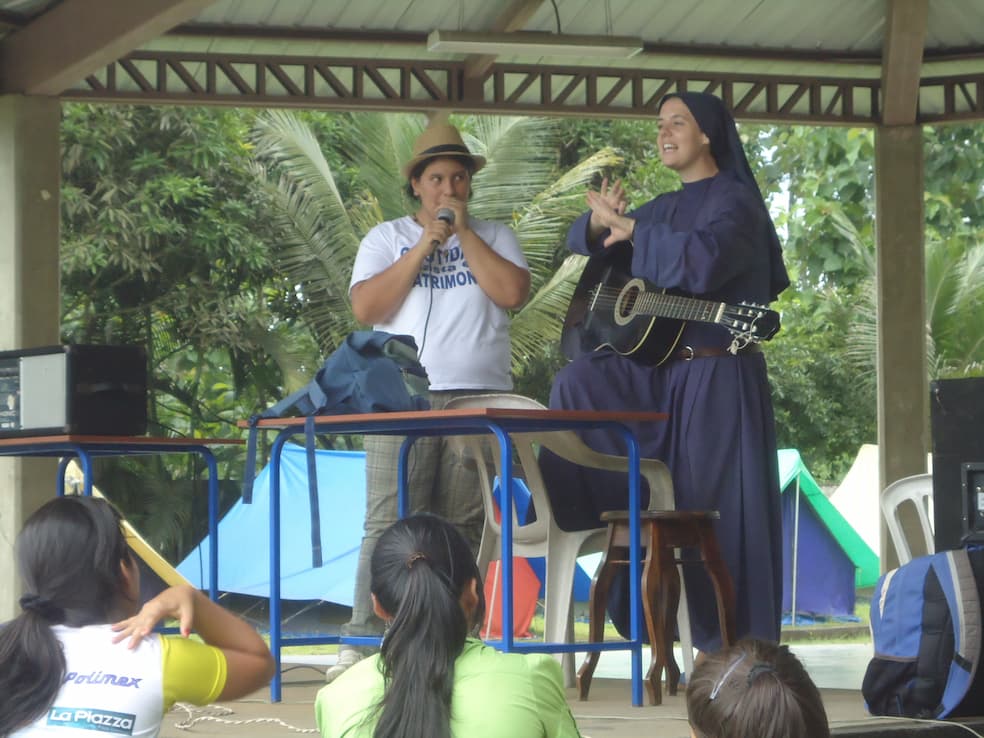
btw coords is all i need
(612, 309)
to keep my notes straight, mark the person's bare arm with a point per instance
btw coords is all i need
(506, 284)
(375, 299)
(249, 664)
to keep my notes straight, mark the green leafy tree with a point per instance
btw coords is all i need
(954, 160)
(164, 244)
(636, 141)
(824, 406)
(823, 362)
(819, 178)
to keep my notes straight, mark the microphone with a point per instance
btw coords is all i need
(447, 215)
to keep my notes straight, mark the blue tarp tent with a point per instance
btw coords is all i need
(244, 534)
(831, 559)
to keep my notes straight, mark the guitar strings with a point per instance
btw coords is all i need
(677, 306)
(674, 306)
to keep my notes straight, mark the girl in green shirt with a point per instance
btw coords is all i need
(430, 679)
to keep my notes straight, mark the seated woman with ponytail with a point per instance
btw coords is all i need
(81, 655)
(430, 679)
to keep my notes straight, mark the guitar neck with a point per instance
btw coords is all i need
(663, 305)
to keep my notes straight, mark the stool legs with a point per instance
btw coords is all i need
(660, 600)
(669, 603)
(661, 589)
(654, 609)
(600, 585)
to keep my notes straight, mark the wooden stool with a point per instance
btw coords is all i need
(661, 531)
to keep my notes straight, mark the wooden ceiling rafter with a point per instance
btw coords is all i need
(67, 42)
(55, 52)
(11, 21)
(513, 18)
(353, 84)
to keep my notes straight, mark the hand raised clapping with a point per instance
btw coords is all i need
(608, 212)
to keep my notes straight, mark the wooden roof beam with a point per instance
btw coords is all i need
(513, 18)
(69, 42)
(11, 21)
(902, 55)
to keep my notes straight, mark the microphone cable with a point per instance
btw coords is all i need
(447, 215)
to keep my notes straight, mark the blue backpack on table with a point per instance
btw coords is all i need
(370, 372)
(926, 627)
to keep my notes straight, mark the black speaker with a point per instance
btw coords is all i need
(957, 421)
(972, 489)
(77, 389)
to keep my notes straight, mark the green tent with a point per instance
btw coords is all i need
(793, 477)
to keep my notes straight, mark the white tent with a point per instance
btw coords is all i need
(857, 496)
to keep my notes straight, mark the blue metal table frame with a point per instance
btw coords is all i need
(501, 422)
(85, 448)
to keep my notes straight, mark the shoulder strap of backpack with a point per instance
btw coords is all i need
(250, 473)
(305, 405)
(958, 582)
(312, 475)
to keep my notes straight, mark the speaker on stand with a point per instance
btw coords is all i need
(957, 422)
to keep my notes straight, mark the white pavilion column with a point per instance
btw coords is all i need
(29, 290)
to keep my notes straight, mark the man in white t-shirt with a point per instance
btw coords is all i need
(447, 279)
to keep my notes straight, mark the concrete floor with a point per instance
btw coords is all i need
(837, 669)
(608, 713)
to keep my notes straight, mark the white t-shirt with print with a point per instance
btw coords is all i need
(110, 690)
(463, 335)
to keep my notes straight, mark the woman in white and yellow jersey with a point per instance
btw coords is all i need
(81, 655)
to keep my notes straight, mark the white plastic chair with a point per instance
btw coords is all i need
(542, 537)
(917, 490)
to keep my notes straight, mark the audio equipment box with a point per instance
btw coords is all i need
(972, 486)
(75, 389)
(957, 422)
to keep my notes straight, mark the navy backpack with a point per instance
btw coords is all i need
(926, 627)
(370, 372)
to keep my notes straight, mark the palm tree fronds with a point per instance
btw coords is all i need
(849, 231)
(521, 161)
(282, 139)
(541, 319)
(380, 145)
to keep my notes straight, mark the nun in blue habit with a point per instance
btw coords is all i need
(713, 239)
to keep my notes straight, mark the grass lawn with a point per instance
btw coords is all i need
(833, 630)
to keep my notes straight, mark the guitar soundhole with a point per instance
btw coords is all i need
(625, 306)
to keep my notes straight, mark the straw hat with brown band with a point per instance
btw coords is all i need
(437, 140)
